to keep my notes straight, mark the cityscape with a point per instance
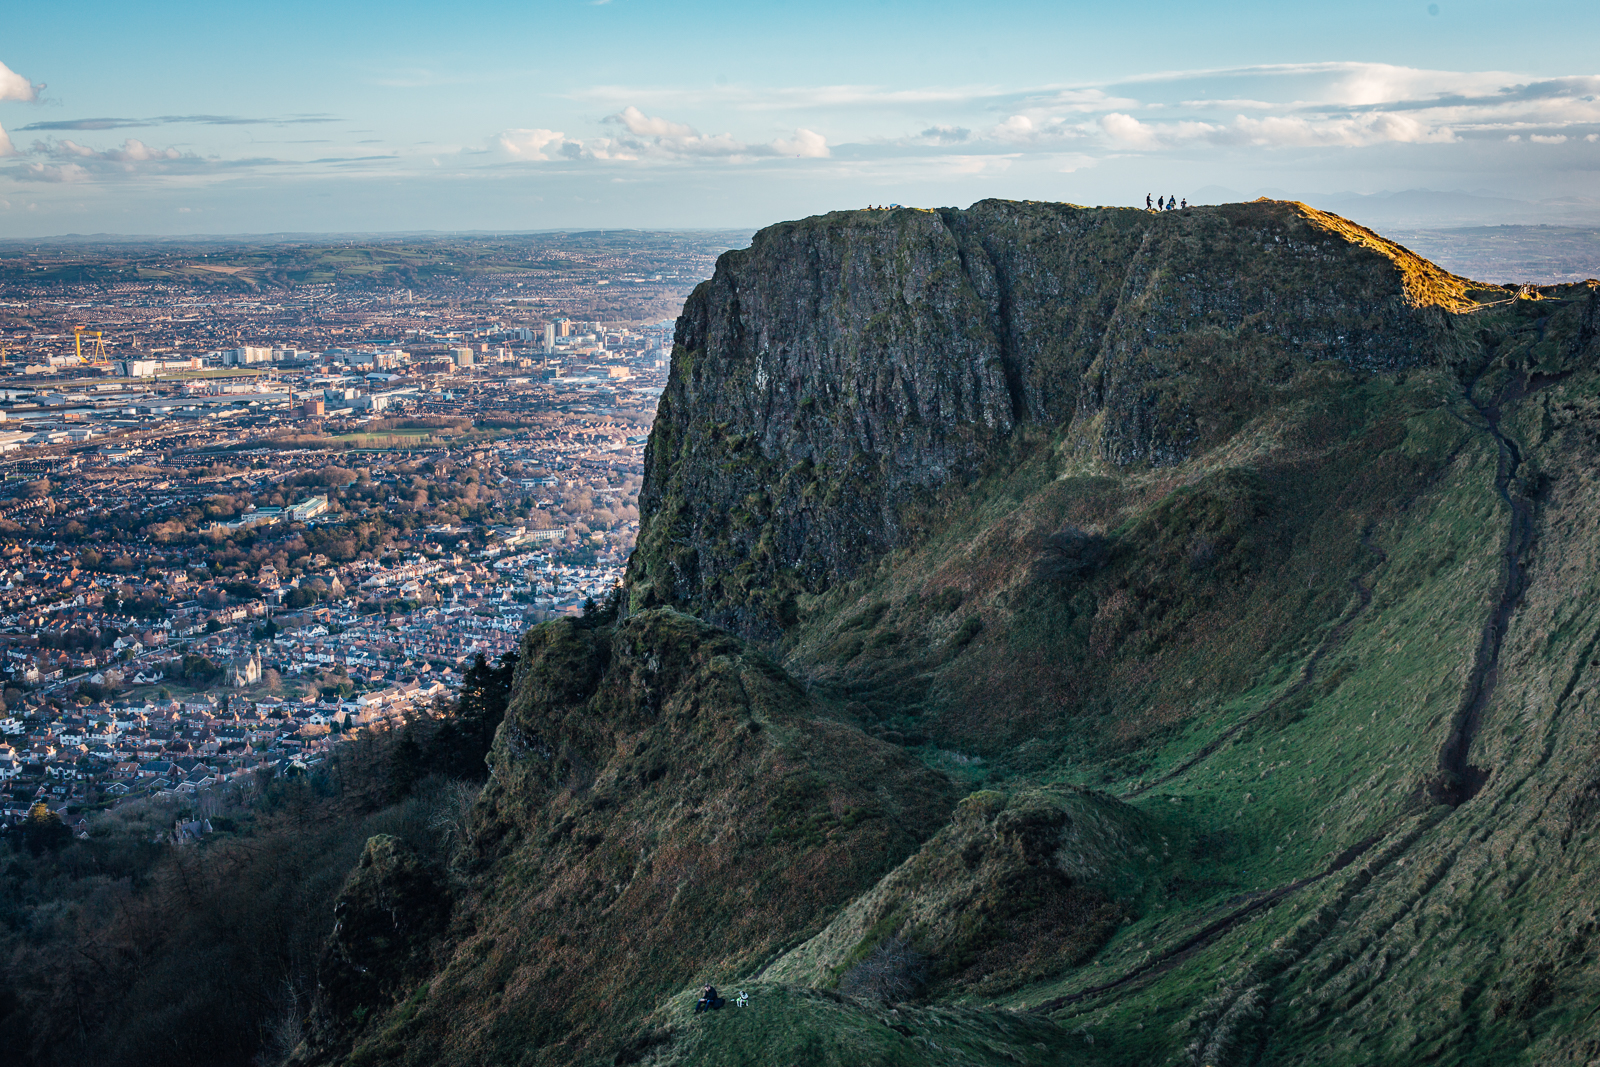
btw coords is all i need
(250, 512)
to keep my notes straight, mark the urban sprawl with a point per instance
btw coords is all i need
(239, 527)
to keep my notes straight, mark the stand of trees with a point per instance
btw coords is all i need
(130, 949)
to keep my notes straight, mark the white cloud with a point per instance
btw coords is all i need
(6, 147)
(662, 138)
(58, 174)
(75, 162)
(805, 143)
(14, 86)
(1539, 138)
(1128, 131)
(530, 144)
(804, 97)
(641, 125)
(132, 151)
(943, 135)
(1319, 106)
(1315, 132)
(1017, 127)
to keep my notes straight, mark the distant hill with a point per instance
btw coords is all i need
(1540, 255)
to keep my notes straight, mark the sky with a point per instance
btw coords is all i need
(177, 117)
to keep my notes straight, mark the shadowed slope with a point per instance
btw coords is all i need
(663, 811)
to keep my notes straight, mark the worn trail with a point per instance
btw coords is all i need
(1212, 930)
(1456, 779)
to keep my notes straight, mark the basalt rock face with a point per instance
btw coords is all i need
(838, 373)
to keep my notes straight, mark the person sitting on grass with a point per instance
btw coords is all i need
(709, 1001)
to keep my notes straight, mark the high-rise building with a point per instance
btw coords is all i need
(549, 338)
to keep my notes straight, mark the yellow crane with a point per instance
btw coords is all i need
(97, 350)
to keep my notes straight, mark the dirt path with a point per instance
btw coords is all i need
(1456, 779)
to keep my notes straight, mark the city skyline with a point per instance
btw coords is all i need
(289, 117)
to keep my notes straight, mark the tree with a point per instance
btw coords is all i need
(44, 831)
(408, 765)
(198, 670)
(459, 745)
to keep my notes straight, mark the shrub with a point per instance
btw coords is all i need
(892, 972)
(1071, 554)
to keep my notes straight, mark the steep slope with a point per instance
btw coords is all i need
(1236, 564)
(664, 810)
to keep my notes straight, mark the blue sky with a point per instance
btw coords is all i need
(348, 115)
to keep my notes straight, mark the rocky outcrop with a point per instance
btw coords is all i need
(387, 916)
(843, 369)
(1262, 534)
(1013, 889)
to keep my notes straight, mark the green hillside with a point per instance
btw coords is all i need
(1058, 636)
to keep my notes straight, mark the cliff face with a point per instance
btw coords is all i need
(842, 370)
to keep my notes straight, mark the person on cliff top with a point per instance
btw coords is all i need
(1185, 204)
(709, 1001)
(1172, 203)
(1147, 201)
(1161, 203)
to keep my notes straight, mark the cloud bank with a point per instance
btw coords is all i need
(655, 139)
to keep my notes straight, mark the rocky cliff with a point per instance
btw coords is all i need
(835, 375)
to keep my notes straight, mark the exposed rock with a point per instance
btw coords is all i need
(844, 368)
(386, 919)
(1230, 512)
(665, 808)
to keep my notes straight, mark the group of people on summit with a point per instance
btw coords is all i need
(1164, 204)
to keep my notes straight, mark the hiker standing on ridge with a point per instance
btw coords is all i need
(1147, 201)
(1185, 204)
(1161, 203)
